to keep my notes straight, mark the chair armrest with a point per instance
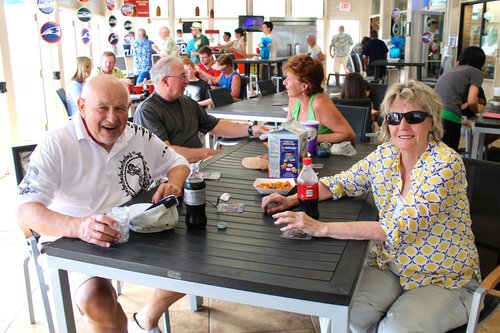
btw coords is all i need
(491, 281)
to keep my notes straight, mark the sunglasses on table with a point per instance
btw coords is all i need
(412, 117)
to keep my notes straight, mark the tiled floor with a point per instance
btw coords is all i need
(216, 316)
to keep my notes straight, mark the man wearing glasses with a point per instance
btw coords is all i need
(177, 119)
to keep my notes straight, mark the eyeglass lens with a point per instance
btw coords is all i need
(412, 117)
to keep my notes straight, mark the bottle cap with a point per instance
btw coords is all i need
(307, 161)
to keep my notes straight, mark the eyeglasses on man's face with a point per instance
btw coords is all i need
(182, 76)
(412, 117)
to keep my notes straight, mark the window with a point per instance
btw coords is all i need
(186, 9)
(274, 8)
(309, 8)
(233, 8)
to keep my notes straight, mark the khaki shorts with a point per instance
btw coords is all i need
(340, 61)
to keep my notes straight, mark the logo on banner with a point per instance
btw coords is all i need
(128, 10)
(83, 1)
(127, 25)
(113, 39)
(85, 36)
(51, 32)
(128, 39)
(46, 6)
(112, 21)
(84, 14)
(111, 4)
(427, 37)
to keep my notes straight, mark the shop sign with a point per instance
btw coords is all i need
(427, 37)
(85, 36)
(112, 21)
(46, 6)
(84, 14)
(51, 32)
(113, 39)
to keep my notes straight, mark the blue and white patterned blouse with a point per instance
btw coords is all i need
(142, 50)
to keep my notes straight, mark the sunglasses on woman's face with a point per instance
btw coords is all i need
(412, 117)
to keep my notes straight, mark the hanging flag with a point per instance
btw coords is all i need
(141, 7)
(51, 32)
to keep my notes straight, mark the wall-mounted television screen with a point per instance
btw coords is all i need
(250, 23)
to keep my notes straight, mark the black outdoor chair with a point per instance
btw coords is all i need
(483, 178)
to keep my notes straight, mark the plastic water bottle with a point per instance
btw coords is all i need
(195, 199)
(307, 189)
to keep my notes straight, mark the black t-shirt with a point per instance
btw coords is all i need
(375, 49)
(178, 122)
(197, 90)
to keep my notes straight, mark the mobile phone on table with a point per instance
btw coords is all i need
(168, 201)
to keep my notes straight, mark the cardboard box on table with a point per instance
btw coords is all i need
(287, 148)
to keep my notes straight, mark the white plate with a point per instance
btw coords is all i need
(273, 180)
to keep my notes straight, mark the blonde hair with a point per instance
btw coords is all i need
(81, 69)
(415, 93)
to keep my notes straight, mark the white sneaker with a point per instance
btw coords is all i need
(133, 327)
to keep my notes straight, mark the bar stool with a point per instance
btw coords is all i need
(276, 80)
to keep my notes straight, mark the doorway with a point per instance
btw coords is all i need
(431, 51)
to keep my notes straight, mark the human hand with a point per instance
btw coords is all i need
(258, 130)
(99, 230)
(279, 202)
(298, 220)
(166, 189)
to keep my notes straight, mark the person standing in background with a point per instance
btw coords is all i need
(267, 29)
(339, 51)
(459, 89)
(75, 85)
(199, 40)
(166, 46)
(314, 49)
(142, 49)
(375, 49)
(226, 37)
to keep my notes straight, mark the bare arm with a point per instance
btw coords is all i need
(299, 220)
(194, 154)
(473, 98)
(320, 57)
(96, 229)
(327, 114)
(176, 177)
(236, 87)
(229, 129)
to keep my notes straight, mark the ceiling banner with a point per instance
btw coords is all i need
(141, 6)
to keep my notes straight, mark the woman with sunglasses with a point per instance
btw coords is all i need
(423, 267)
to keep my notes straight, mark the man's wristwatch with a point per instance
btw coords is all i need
(250, 132)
